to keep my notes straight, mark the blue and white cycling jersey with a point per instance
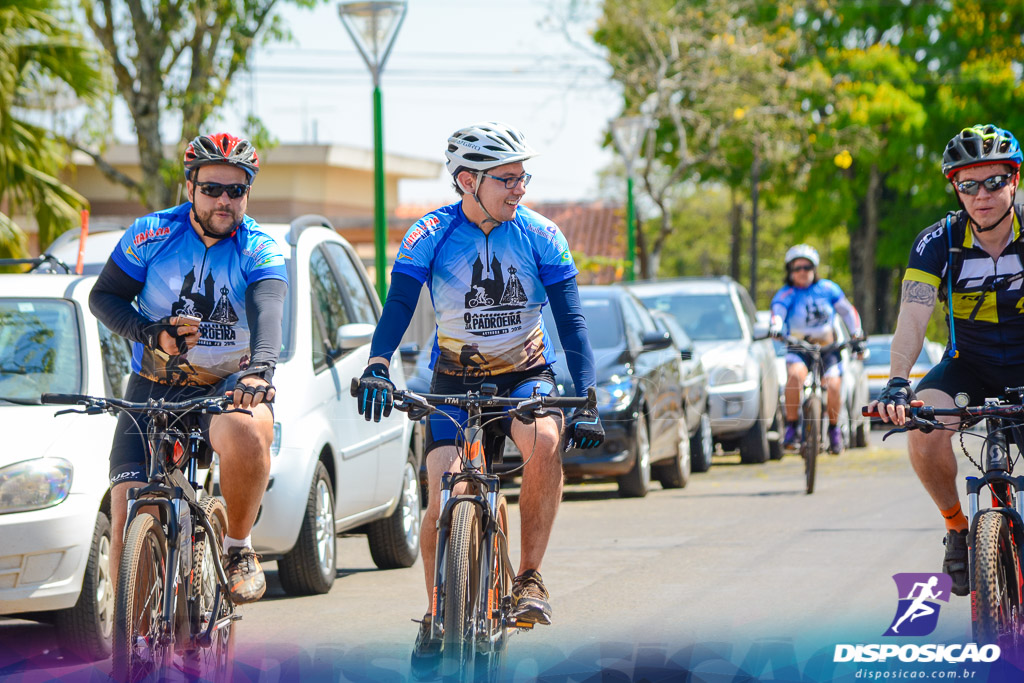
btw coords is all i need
(487, 289)
(809, 312)
(182, 276)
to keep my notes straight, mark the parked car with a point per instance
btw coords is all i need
(853, 389)
(639, 392)
(695, 393)
(719, 317)
(331, 470)
(877, 363)
(54, 504)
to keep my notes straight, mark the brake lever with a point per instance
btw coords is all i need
(68, 411)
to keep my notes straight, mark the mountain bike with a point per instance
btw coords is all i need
(995, 539)
(172, 595)
(812, 404)
(471, 606)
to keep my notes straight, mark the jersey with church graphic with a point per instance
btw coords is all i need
(182, 276)
(488, 290)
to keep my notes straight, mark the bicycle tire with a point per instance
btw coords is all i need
(213, 663)
(489, 664)
(997, 601)
(461, 566)
(812, 440)
(138, 602)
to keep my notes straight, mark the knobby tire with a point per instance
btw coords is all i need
(460, 587)
(489, 665)
(996, 596)
(812, 439)
(213, 663)
(138, 602)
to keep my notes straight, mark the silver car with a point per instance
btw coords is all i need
(719, 317)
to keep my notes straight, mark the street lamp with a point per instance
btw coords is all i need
(373, 26)
(627, 134)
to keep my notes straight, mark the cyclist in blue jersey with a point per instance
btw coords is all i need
(806, 306)
(973, 260)
(491, 265)
(210, 289)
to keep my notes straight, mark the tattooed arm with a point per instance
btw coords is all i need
(916, 306)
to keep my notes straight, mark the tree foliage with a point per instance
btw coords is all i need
(176, 58)
(41, 59)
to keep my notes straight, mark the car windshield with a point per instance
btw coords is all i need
(879, 354)
(39, 348)
(604, 324)
(705, 317)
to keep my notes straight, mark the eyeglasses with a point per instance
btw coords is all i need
(234, 190)
(512, 183)
(797, 269)
(993, 183)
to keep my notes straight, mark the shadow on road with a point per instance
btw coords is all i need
(31, 646)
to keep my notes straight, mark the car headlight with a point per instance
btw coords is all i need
(726, 374)
(616, 393)
(34, 484)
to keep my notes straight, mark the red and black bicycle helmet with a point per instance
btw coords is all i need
(221, 148)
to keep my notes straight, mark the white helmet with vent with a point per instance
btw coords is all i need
(483, 146)
(802, 251)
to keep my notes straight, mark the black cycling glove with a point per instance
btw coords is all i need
(153, 330)
(376, 395)
(857, 347)
(897, 392)
(264, 372)
(584, 429)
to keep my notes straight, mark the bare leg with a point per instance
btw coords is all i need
(932, 457)
(439, 461)
(833, 400)
(541, 490)
(243, 443)
(794, 388)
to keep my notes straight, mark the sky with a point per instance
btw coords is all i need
(454, 62)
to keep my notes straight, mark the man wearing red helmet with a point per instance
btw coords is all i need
(204, 260)
(972, 259)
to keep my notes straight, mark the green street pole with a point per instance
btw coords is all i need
(380, 224)
(630, 237)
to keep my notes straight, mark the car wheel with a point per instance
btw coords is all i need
(637, 482)
(675, 473)
(754, 444)
(84, 631)
(775, 447)
(702, 445)
(309, 568)
(395, 541)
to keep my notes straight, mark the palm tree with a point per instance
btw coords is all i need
(40, 59)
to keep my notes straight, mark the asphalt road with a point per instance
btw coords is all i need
(739, 576)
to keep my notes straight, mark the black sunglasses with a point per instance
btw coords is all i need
(797, 269)
(992, 183)
(234, 190)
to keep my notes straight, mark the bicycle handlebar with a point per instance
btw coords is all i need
(211, 404)
(408, 401)
(817, 348)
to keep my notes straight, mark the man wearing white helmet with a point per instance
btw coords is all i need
(807, 306)
(491, 265)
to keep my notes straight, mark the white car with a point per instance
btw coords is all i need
(877, 363)
(54, 507)
(331, 470)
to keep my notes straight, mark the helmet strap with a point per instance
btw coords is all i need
(195, 217)
(490, 218)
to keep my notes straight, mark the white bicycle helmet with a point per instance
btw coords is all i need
(483, 146)
(802, 251)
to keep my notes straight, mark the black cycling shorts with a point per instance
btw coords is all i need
(128, 450)
(979, 379)
(441, 431)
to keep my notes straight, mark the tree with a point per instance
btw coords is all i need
(178, 57)
(40, 59)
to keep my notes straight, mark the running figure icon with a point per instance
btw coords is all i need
(918, 610)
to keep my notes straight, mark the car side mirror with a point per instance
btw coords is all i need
(654, 341)
(354, 335)
(760, 330)
(686, 354)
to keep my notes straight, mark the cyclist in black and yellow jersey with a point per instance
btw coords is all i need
(973, 260)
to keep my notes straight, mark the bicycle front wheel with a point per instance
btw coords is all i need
(489, 663)
(212, 662)
(812, 439)
(139, 651)
(460, 583)
(997, 614)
